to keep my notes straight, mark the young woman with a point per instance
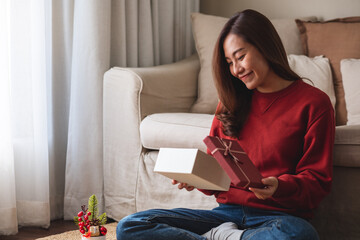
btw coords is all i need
(285, 125)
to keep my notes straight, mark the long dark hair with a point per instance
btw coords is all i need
(235, 97)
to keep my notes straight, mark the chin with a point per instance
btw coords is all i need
(250, 86)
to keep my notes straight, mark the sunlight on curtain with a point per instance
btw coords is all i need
(24, 147)
(8, 220)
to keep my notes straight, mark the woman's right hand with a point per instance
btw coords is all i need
(182, 185)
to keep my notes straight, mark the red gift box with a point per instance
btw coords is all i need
(235, 162)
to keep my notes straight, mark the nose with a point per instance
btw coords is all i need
(237, 68)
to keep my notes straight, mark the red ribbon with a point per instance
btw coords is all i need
(228, 151)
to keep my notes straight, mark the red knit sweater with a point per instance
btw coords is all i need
(289, 134)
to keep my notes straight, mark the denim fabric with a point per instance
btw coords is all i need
(183, 224)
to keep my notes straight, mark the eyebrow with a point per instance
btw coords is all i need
(236, 51)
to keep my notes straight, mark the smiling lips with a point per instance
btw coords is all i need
(243, 77)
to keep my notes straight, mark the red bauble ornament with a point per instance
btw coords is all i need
(103, 231)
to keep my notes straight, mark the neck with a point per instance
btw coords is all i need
(274, 83)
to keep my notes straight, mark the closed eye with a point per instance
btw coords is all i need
(241, 57)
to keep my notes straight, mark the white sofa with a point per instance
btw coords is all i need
(172, 106)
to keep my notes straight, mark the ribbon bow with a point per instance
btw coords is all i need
(228, 151)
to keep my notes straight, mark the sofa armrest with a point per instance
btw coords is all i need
(164, 88)
(130, 94)
(348, 134)
(347, 146)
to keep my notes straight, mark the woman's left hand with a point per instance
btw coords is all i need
(271, 184)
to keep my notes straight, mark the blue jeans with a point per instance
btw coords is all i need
(183, 224)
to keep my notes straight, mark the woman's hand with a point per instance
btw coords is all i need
(182, 185)
(271, 185)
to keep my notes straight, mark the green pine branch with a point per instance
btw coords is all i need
(102, 219)
(93, 202)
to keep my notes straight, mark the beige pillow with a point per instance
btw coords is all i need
(350, 71)
(317, 70)
(206, 29)
(335, 39)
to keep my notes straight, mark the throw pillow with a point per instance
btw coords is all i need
(350, 71)
(335, 39)
(206, 29)
(317, 70)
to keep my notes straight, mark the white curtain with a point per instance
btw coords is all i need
(24, 168)
(52, 61)
(133, 33)
(147, 33)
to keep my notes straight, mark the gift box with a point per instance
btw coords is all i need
(235, 162)
(192, 166)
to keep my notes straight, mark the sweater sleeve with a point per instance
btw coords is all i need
(313, 175)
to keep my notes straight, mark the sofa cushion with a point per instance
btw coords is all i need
(315, 71)
(206, 29)
(350, 72)
(175, 130)
(336, 39)
(187, 130)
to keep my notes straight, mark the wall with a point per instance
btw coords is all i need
(323, 9)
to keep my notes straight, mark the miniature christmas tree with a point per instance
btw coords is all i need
(89, 222)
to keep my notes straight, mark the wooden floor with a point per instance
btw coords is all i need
(30, 233)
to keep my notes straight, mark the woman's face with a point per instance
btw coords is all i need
(246, 62)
